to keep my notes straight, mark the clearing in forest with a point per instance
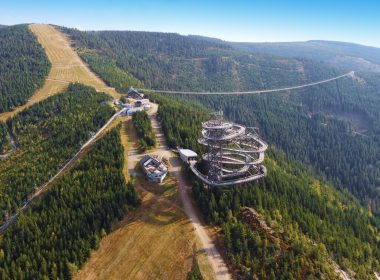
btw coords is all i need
(67, 67)
(156, 241)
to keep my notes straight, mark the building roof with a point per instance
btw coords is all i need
(143, 100)
(132, 90)
(134, 93)
(153, 165)
(187, 152)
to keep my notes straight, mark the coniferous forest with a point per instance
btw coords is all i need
(320, 200)
(110, 72)
(57, 234)
(144, 130)
(23, 66)
(317, 223)
(175, 62)
(48, 134)
(5, 138)
(332, 128)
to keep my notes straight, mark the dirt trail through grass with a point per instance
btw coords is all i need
(156, 241)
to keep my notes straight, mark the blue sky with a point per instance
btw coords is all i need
(238, 20)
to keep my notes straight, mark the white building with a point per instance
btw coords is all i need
(187, 155)
(142, 102)
(154, 170)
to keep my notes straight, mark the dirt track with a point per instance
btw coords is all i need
(67, 67)
(214, 257)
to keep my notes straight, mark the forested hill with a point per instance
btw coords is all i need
(333, 128)
(58, 233)
(315, 221)
(172, 61)
(48, 133)
(339, 54)
(23, 66)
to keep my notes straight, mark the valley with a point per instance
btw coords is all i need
(76, 204)
(153, 206)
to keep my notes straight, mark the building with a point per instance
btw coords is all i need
(154, 169)
(131, 111)
(142, 103)
(187, 155)
(133, 93)
(126, 105)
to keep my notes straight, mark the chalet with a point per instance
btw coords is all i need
(133, 93)
(154, 169)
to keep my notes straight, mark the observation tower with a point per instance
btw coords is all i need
(234, 153)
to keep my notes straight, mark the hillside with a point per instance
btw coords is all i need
(23, 66)
(55, 127)
(66, 68)
(329, 127)
(299, 204)
(319, 202)
(172, 61)
(57, 235)
(339, 54)
(48, 134)
(333, 128)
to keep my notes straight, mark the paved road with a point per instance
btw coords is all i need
(215, 259)
(42, 188)
(349, 74)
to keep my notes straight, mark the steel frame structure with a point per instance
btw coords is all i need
(234, 153)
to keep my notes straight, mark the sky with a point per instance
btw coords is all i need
(233, 20)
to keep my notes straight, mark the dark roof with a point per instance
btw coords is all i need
(132, 90)
(145, 159)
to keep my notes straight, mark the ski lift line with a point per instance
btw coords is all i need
(349, 74)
